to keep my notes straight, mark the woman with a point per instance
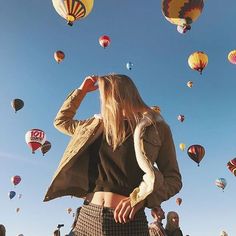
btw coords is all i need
(172, 224)
(110, 159)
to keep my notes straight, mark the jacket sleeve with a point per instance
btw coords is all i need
(168, 167)
(64, 121)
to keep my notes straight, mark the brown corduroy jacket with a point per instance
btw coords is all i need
(153, 143)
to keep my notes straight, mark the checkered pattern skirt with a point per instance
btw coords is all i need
(97, 220)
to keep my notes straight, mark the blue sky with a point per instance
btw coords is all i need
(31, 31)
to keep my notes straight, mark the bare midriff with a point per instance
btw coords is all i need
(106, 199)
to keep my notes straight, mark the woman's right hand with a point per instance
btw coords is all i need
(89, 84)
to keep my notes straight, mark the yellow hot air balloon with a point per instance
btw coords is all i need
(198, 61)
(182, 146)
(157, 109)
(73, 10)
(182, 12)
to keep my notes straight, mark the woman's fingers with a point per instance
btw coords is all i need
(122, 211)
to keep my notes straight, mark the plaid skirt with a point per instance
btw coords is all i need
(95, 220)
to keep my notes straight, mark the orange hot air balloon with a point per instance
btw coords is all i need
(232, 57)
(46, 147)
(198, 61)
(59, 56)
(179, 201)
(104, 41)
(16, 179)
(35, 138)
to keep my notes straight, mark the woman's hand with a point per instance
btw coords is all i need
(89, 84)
(124, 212)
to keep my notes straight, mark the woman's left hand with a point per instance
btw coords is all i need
(124, 212)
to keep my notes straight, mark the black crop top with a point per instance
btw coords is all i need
(113, 171)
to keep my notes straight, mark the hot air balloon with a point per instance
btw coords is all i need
(35, 138)
(178, 201)
(198, 61)
(12, 194)
(182, 12)
(223, 233)
(232, 57)
(181, 118)
(104, 41)
(73, 10)
(19, 195)
(59, 56)
(196, 152)
(16, 179)
(69, 210)
(182, 146)
(17, 209)
(232, 166)
(190, 84)
(129, 65)
(46, 147)
(17, 104)
(221, 183)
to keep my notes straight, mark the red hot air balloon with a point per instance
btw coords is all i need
(104, 41)
(232, 166)
(16, 179)
(35, 138)
(59, 56)
(196, 152)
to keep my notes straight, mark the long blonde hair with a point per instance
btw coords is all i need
(120, 101)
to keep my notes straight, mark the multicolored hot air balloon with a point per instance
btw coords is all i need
(73, 10)
(181, 118)
(157, 109)
(190, 84)
(129, 65)
(232, 57)
(11, 194)
(182, 146)
(196, 152)
(182, 12)
(198, 61)
(35, 138)
(59, 56)
(17, 104)
(232, 166)
(221, 183)
(178, 201)
(46, 147)
(15, 179)
(104, 41)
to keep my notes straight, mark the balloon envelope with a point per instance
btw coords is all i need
(17, 104)
(104, 41)
(182, 146)
(181, 118)
(73, 10)
(59, 56)
(223, 233)
(69, 210)
(196, 152)
(232, 57)
(232, 166)
(221, 183)
(35, 138)
(190, 84)
(16, 179)
(46, 147)
(12, 194)
(198, 61)
(129, 65)
(179, 201)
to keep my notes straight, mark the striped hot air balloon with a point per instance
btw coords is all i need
(198, 61)
(182, 12)
(232, 57)
(196, 152)
(221, 183)
(232, 166)
(73, 10)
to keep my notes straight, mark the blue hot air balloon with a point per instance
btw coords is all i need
(12, 194)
